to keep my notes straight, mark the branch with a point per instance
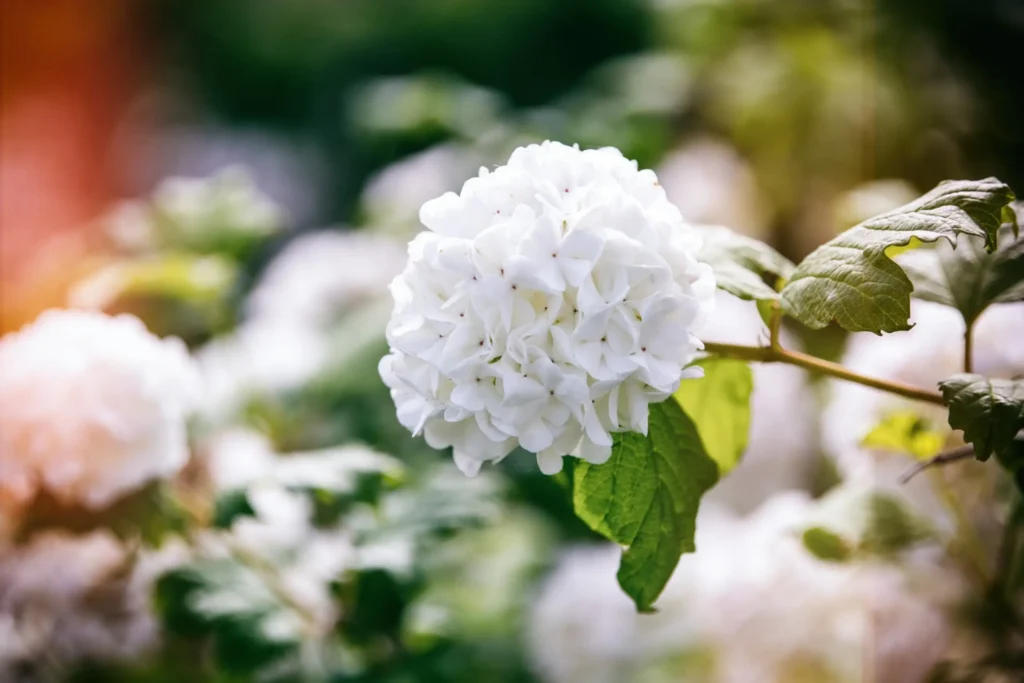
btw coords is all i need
(777, 354)
(944, 458)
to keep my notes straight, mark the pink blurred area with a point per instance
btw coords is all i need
(68, 71)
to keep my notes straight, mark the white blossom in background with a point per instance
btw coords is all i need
(196, 213)
(91, 407)
(65, 597)
(712, 184)
(393, 196)
(923, 356)
(751, 606)
(317, 280)
(776, 459)
(545, 307)
(320, 275)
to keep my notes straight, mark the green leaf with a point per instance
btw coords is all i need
(969, 278)
(741, 263)
(719, 404)
(646, 497)
(905, 432)
(989, 411)
(854, 281)
(826, 545)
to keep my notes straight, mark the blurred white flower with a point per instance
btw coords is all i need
(776, 459)
(320, 275)
(923, 356)
(66, 597)
(712, 184)
(257, 359)
(394, 195)
(91, 407)
(751, 606)
(545, 307)
(318, 281)
(197, 213)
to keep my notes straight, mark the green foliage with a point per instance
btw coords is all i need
(854, 281)
(858, 523)
(969, 278)
(741, 264)
(989, 411)
(719, 404)
(646, 497)
(252, 622)
(826, 545)
(905, 432)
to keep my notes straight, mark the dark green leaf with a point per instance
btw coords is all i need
(852, 279)
(741, 263)
(646, 497)
(968, 278)
(719, 404)
(989, 411)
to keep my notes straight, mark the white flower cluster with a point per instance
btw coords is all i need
(752, 606)
(91, 407)
(545, 307)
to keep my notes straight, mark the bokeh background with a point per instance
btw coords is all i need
(300, 139)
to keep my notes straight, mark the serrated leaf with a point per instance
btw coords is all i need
(852, 279)
(989, 411)
(968, 278)
(719, 404)
(646, 497)
(905, 432)
(742, 263)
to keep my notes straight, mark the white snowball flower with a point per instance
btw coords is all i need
(545, 307)
(775, 459)
(751, 606)
(91, 407)
(923, 356)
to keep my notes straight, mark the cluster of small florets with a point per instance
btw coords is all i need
(91, 407)
(545, 307)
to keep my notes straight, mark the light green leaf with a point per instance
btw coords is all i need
(969, 278)
(852, 279)
(646, 497)
(826, 545)
(719, 404)
(741, 263)
(989, 411)
(905, 432)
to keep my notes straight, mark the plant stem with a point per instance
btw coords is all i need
(969, 348)
(768, 354)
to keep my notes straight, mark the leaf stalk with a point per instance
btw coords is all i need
(777, 354)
